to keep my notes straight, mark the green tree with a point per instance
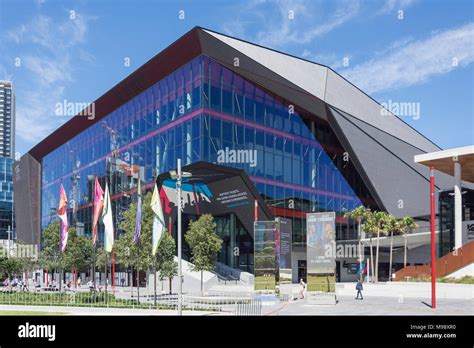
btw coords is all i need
(78, 254)
(165, 262)
(406, 225)
(376, 225)
(359, 214)
(393, 225)
(128, 252)
(27, 256)
(204, 243)
(51, 256)
(9, 265)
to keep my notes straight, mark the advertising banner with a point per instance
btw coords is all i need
(284, 249)
(321, 260)
(212, 190)
(266, 266)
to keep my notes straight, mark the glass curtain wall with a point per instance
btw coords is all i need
(192, 114)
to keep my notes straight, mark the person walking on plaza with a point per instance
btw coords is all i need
(359, 289)
(303, 287)
(79, 282)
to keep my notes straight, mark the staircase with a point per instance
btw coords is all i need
(445, 265)
(229, 275)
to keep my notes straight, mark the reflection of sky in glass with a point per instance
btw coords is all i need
(219, 109)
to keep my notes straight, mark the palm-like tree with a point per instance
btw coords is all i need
(393, 224)
(406, 225)
(376, 224)
(359, 214)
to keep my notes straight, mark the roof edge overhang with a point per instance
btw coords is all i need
(171, 58)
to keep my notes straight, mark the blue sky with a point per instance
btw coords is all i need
(422, 55)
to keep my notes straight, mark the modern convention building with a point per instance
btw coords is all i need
(255, 126)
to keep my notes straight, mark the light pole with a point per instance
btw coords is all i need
(10, 238)
(178, 176)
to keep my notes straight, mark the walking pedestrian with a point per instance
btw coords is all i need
(359, 289)
(302, 289)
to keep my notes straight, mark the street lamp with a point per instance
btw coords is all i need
(178, 175)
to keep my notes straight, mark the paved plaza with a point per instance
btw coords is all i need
(346, 305)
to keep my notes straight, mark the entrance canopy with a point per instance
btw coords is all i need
(216, 190)
(444, 161)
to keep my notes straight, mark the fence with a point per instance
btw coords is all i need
(246, 308)
(238, 305)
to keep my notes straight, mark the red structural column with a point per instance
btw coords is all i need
(256, 210)
(433, 240)
(47, 278)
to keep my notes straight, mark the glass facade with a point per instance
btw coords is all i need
(446, 217)
(6, 197)
(192, 114)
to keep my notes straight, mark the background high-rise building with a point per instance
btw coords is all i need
(7, 119)
(7, 153)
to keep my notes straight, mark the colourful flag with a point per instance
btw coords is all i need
(158, 219)
(138, 223)
(62, 213)
(98, 205)
(108, 221)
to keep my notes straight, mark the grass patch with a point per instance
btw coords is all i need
(321, 283)
(463, 280)
(264, 283)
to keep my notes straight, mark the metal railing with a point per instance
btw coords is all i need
(237, 303)
(248, 308)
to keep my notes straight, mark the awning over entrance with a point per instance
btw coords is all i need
(413, 240)
(459, 163)
(444, 161)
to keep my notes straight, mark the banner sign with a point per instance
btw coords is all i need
(320, 245)
(467, 231)
(284, 249)
(266, 266)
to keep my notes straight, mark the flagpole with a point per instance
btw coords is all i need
(154, 278)
(180, 279)
(113, 272)
(93, 270)
(60, 271)
(138, 272)
(105, 276)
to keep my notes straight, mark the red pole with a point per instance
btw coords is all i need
(256, 210)
(47, 278)
(433, 240)
(169, 225)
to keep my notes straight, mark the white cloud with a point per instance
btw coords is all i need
(329, 59)
(52, 47)
(276, 29)
(49, 71)
(395, 5)
(16, 35)
(416, 62)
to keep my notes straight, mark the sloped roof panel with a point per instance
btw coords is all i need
(345, 96)
(307, 75)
